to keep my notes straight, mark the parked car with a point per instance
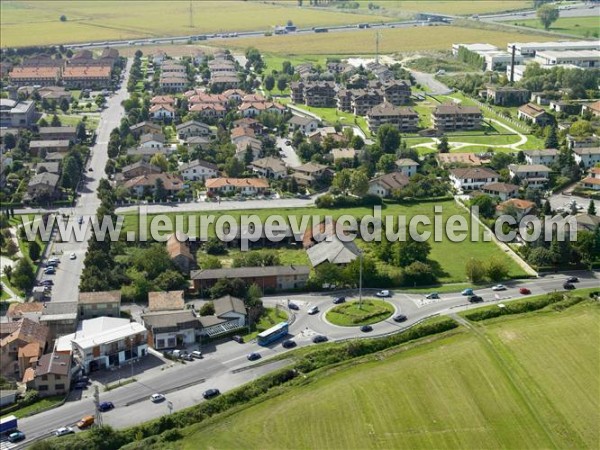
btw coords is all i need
(85, 422)
(237, 338)
(62, 431)
(319, 338)
(475, 299)
(568, 286)
(72, 256)
(210, 393)
(49, 271)
(338, 300)
(187, 357)
(433, 295)
(366, 328)
(524, 291)
(81, 385)
(384, 293)
(47, 283)
(16, 436)
(105, 406)
(197, 354)
(157, 398)
(313, 310)
(467, 291)
(293, 306)
(499, 287)
(573, 280)
(253, 356)
(400, 318)
(288, 344)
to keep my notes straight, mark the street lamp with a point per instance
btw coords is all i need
(360, 255)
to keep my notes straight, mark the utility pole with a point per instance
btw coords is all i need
(360, 281)
(98, 418)
(377, 47)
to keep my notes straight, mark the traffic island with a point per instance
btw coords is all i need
(355, 313)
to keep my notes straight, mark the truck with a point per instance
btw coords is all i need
(7, 425)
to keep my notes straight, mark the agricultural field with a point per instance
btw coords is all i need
(580, 26)
(393, 40)
(526, 381)
(445, 253)
(460, 8)
(31, 22)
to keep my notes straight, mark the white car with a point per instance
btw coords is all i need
(384, 293)
(63, 431)
(156, 398)
(499, 287)
(313, 310)
(72, 256)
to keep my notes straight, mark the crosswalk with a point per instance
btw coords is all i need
(6, 445)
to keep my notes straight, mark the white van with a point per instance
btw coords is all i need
(197, 354)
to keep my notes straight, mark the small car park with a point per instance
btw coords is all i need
(467, 291)
(157, 398)
(288, 344)
(313, 310)
(105, 406)
(400, 318)
(499, 287)
(475, 299)
(253, 356)
(524, 291)
(338, 300)
(237, 338)
(62, 431)
(16, 436)
(432, 296)
(383, 294)
(319, 338)
(210, 393)
(366, 328)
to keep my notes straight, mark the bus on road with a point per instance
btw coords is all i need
(9, 424)
(272, 334)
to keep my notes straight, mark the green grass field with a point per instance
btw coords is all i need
(451, 7)
(271, 317)
(392, 40)
(42, 403)
(31, 22)
(580, 26)
(524, 382)
(353, 314)
(451, 256)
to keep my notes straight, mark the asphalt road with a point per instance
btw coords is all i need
(184, 384)
(66, 280)
(290, 157)
(428, 79)
(580, 10)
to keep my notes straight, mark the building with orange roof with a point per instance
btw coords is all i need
(244, 186)
(87, 76)
(15, 350)
(32, 75)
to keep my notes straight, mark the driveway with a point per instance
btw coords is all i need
(290, 157)
(564, 201)
(434, 86)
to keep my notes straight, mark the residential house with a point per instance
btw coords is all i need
(208, 110)
(587, 156)
(148, 152)
(16, 114)
(472, 178)
(569, 108)
(97, 304)
(546, 157)
(40, 148)
(60, 318)
(245, 144)
(162, 112)
(587, 222)
(502, 190)
(269, 278)
(170, 329)
(43, 186)
(507, 95)
(535, 114)
(230, 314)
(139, 186)
(520, 208)
(364, 100)
(34, 76)
(396, 92)
(407, 166)
(138, 169)
(165, 301)
(452, 117)
(163, 100)
(171, 83)
(55, 93)
(152, 141)
(310, 173)
(58, 134)
(334, 251)
(248, 122)
(193, 128)
(179, 252)
(534, 175)
(198, 170)
(253, 109)
(582, 141)
(321, 134)
(592, 108)
(144, 128)
(105, 342)
(338, 154)
(244, 186)
(269, 167)
(385, 185)
(198, 141)
(592, 182)
(404, 119)
(81, 77)
(21, 344)
(50, 376)
(467, 159)
(306, 125)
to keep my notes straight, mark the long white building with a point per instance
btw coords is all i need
(530, 49)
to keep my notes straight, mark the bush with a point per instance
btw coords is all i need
(208, 309)
(342, 201)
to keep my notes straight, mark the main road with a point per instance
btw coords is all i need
(66, 280)
(225, 366)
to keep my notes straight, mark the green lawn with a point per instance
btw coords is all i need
(334, 115)
(42, 403)
(287, 255)
(522, 382)
(272, 316)
(353, 314)
(451, 256)
(580, 26)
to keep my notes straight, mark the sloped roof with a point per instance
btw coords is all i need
(334, 251)
(475, 173)
(391, 181)
(177, 245)
(227, 304)
(165, 301)
(249, 272)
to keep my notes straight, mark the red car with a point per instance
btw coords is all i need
(524, 291)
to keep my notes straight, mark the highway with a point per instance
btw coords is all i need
(225, 366)
(578, 10)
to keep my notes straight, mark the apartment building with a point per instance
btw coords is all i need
(451, 117)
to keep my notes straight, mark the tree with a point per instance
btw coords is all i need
(475, 270)
(81, 132)
(34, 251)
(388, 138)
(170, 280)
(23, 275)
(351, 273)
(486, 205)
(71, 172)
(160, 160)
(7, 270)
(269, 82)
(360, 183)
(551, 137)
(581, 128)
(282, 83)
(386, 164)
(496, 269)
(234, 167)
(10, 141)
(591, 208)
(443, 146)
(209, 262)
(208, 309)
(153, 260)
(100, 100)
(342, 180)
(64, 105)
(214, 246)
(404, 253)
(588, 247)
(55, 121)
(160, 193)
(547, 15)
(419, 273)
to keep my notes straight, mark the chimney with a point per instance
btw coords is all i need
(512, 65)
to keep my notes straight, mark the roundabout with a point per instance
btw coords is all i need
(352, 314)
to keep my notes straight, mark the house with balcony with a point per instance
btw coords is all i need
(587, 156)
(592, 182)
(453, 117)
(504, 191)
(98, 304)
(534, 175)
(243, 186)
(472, 178)
(404, 119)
(198, 170)
(51, 375)
(545, 157)
(269, 167)
(193, 128)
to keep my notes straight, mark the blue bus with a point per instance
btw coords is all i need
(272, 334)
